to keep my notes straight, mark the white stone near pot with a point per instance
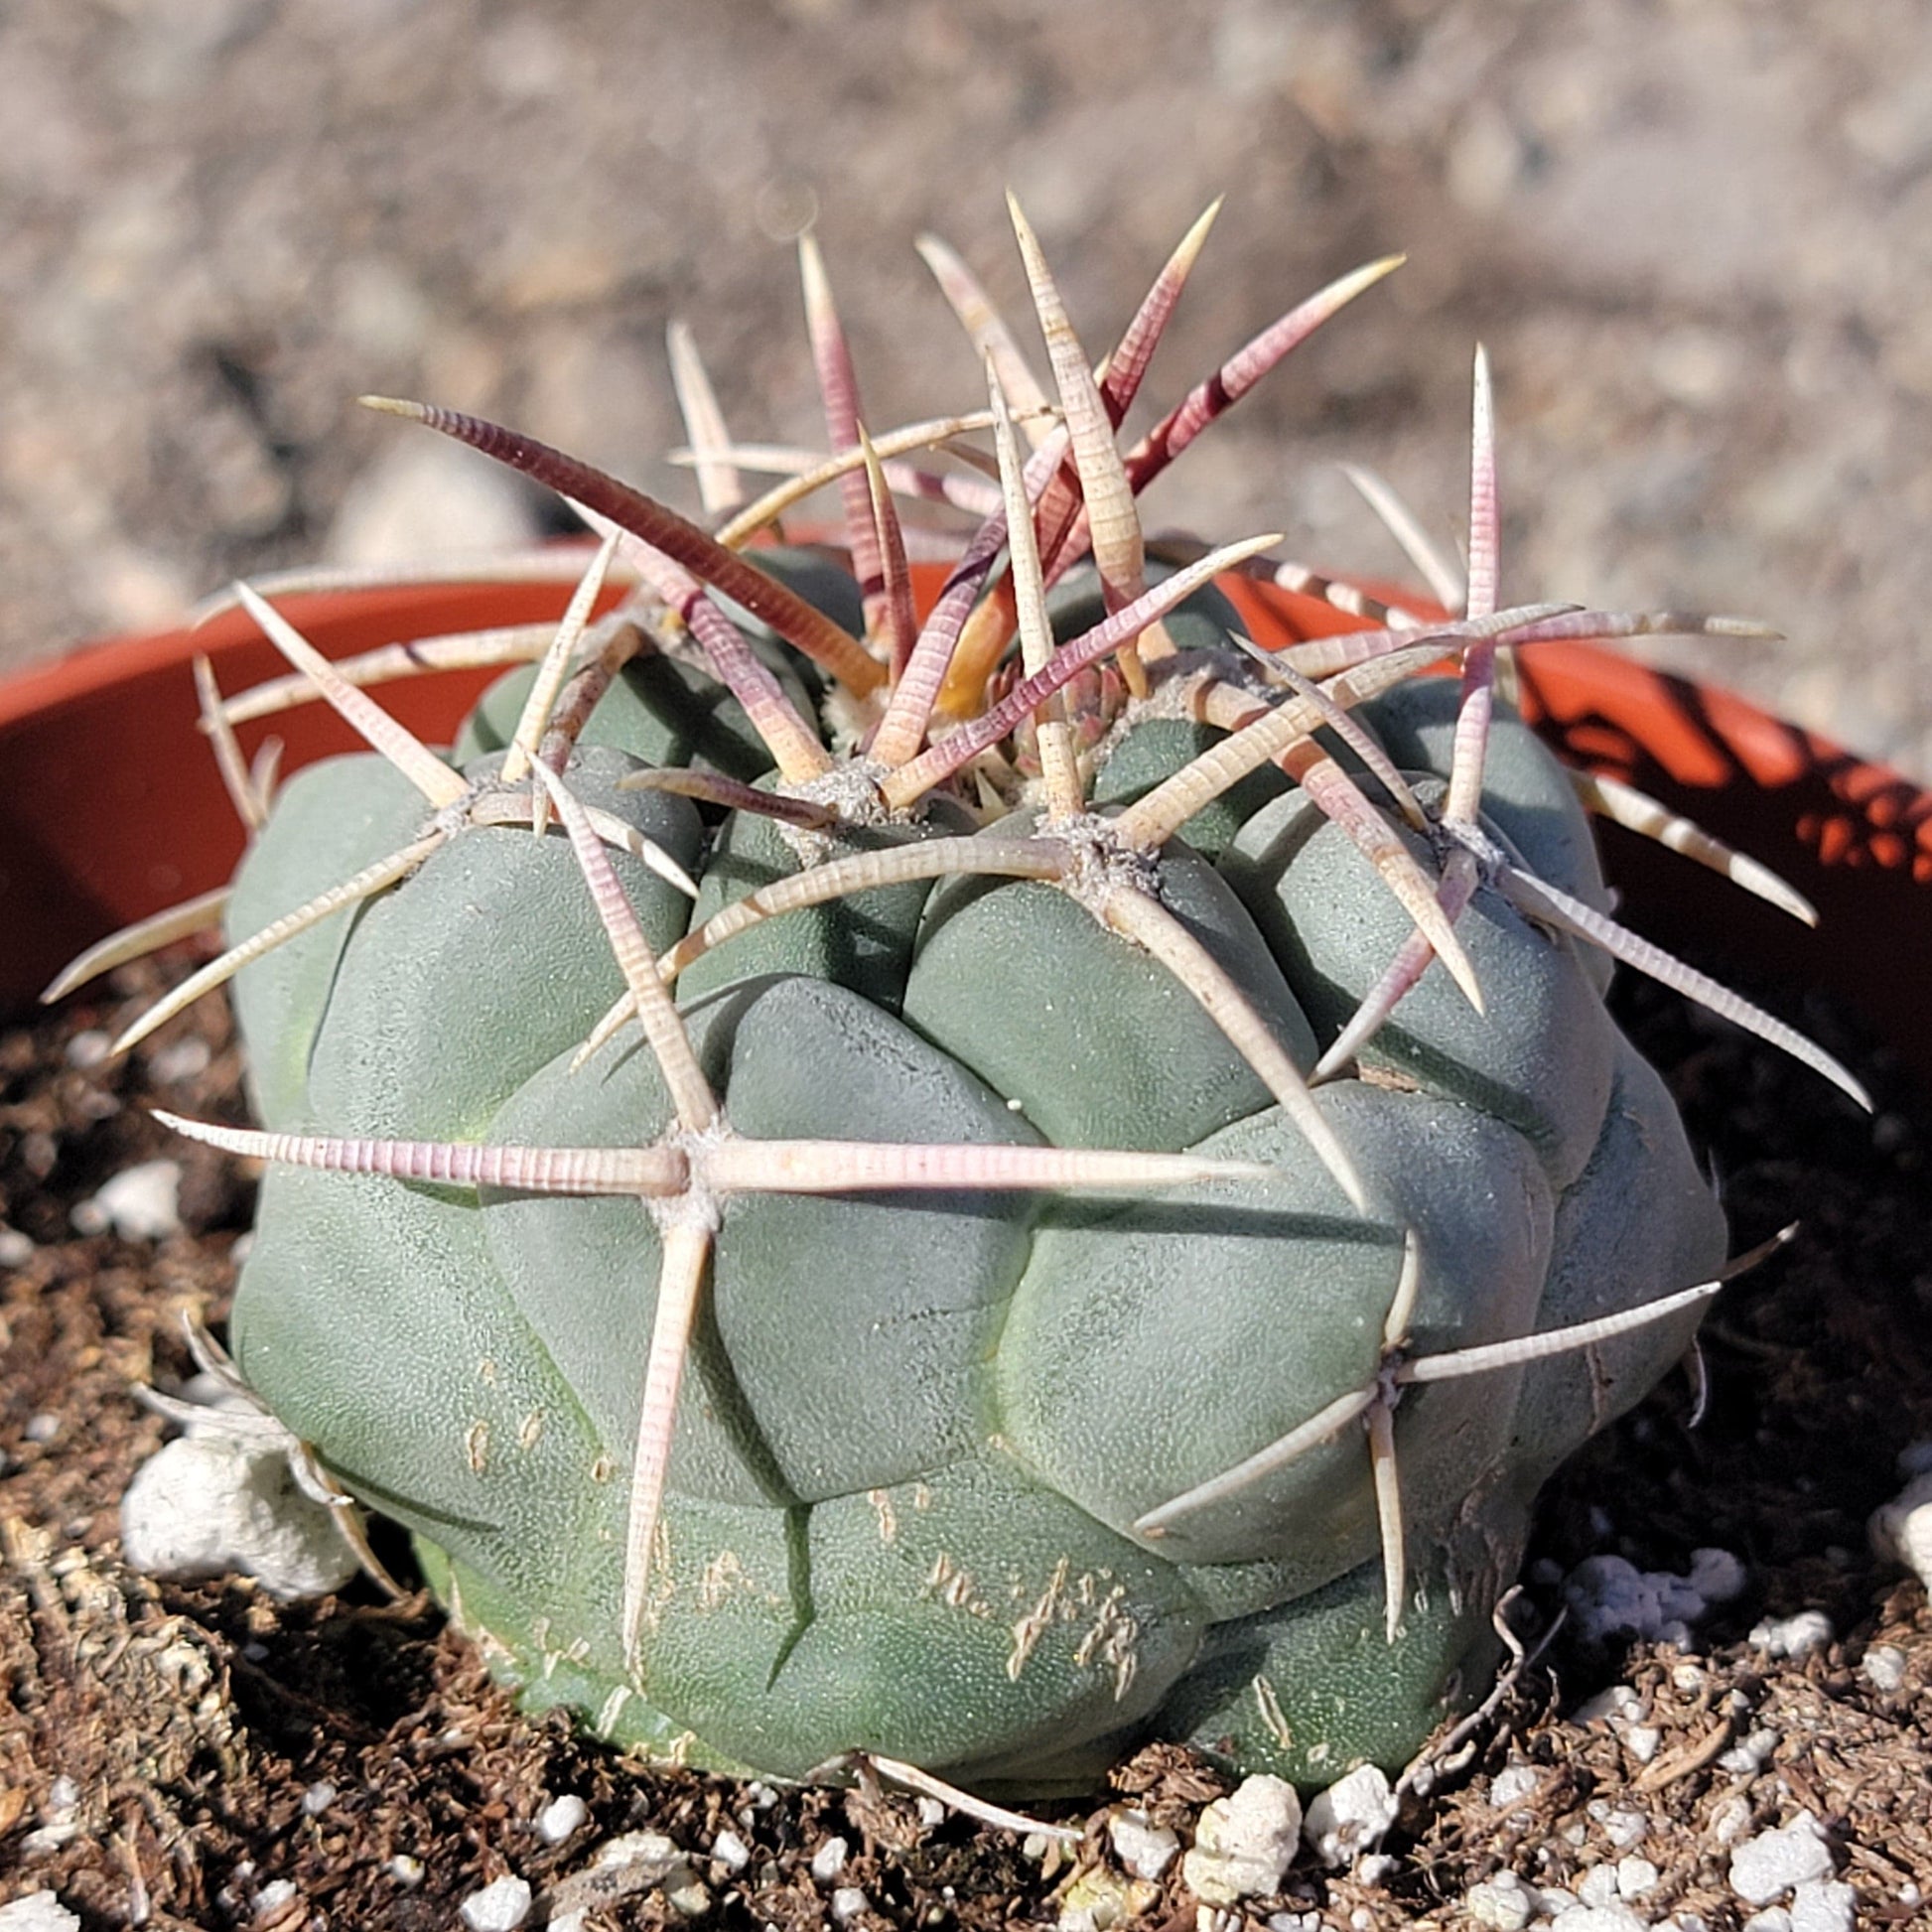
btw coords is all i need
(208, 1505)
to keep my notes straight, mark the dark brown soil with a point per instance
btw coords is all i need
(235, 1764)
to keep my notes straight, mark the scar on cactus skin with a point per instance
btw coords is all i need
(928, 709)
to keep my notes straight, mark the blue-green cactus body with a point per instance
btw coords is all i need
(919, 1431)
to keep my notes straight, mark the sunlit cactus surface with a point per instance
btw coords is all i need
(956, 1166)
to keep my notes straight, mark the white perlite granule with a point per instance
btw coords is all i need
(38, 1911)
(560, 1817)
(1901, 1529)
(1145, 1849)
(1766, 1867)
(1792, 1637)
(499, 1907)
(1350, 1816)
(1243, 1843)
(207, 1506)
(140, 1203)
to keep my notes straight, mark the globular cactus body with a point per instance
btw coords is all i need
(1118, 1203)
(918, 1429)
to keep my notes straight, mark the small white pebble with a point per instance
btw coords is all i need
(1625, 1828)
(1766, 1867)
(38, 1911)
(206, 1506)
(1350, 1816)
(1609, 1596)
(1774, 1918)
(63, 1797)
(273, 1896)
(1501, 1904)
(560, 1817)
(89, 1049)
(933, 1814)
(686, 1894)
(406, 1870)
(1597, 1885)
(1901, 1530)
(730, 1850)
(1377, 1868)
(1746, 1759)
(140, 1203)
(1619, 1700)
(1511, 1784)
(578, 1921)
(761, 1796)
(1717, 1576)
(1642, 1740)
(180, 1060)
(848, 1904)
(42, 1427)
(318, 1798)
(1603, 1918)
(16, 1251)
(1730, 1818)
(1243, 1842)
(1792, 1637)
(1883, 1668)
(1554, 1902)
(500, 1906)
(1635, 1876)
(1823, 1905)
(1687, 1679)
(640, 1848)
(1294, 1922)
(829, 1859)
(1146, 1849)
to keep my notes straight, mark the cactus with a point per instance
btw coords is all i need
(959, 1192)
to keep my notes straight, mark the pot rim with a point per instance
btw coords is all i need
(113, 810)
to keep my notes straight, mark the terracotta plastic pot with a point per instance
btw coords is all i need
(112, 808)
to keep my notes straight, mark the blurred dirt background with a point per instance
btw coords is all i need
(1695, 234)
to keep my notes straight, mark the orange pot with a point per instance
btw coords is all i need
(112, 807)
